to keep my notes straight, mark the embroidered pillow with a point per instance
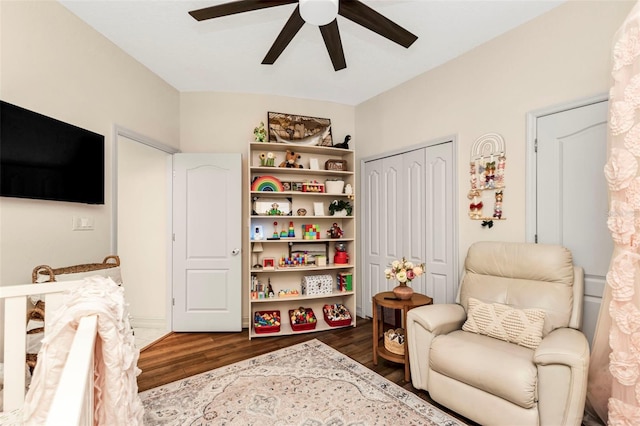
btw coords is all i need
(520, 326)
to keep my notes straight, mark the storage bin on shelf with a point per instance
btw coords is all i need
(336, 315)
(266, 322)
(394, 341)
(302, 319)
(317, 284)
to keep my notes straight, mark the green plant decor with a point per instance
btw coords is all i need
(338, 205)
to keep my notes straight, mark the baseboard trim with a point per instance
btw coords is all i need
(160, 323)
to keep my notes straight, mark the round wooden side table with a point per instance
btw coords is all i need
(387, 299)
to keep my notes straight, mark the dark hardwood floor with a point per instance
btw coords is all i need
(180, 355)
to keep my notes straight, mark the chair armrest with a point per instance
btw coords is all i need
(564, 346)
(563, 364)
(439, 318)
(423, 324)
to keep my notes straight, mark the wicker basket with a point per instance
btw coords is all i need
(392, 345)
(47, 271)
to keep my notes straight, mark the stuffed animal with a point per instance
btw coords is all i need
(290, 160)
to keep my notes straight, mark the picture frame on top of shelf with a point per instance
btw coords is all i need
(318, 209)
(299, 129)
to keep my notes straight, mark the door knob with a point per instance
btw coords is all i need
(235, 252)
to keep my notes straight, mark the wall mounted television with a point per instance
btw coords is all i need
(44, 158)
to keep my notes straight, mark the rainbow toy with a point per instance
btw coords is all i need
(267, 184)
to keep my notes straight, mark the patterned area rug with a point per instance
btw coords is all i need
(308, 384)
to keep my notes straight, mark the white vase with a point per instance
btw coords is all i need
(340, 213)
(334, 186)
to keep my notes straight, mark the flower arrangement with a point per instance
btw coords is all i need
(403, 271)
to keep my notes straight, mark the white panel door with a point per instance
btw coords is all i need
(408, 211)
(440, 280)
(572, 197)
(372, 253)
(207, 285)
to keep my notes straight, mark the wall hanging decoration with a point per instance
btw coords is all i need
(299, 129)
(486, 178)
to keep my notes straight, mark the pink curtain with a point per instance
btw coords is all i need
(613, 392)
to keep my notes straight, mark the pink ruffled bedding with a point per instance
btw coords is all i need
(116, 358)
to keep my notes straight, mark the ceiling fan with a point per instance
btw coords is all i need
(322, 13)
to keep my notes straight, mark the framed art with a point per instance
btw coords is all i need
(299, 129)
(268, 263)
(318, 209)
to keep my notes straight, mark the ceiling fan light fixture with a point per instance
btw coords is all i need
(319, 12)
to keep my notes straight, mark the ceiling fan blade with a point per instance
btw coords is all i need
(363, 15)
(234, 7)
(331, 36)
(289, 30)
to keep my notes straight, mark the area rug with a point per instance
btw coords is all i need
(308, 384)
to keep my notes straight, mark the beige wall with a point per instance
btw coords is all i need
(224, 122)
(53, 63)
(559, 57)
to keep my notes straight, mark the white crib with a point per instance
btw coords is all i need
(73, 400)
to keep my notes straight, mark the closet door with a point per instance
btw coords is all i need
(414, 203)
(440, 281)
(408, 211)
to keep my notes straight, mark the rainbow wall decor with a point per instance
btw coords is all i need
(267, 184)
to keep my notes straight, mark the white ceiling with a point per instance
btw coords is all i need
(225, 54)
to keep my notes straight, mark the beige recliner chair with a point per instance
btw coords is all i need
(510, 351)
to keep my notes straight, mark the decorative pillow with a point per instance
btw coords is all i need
(519, 326)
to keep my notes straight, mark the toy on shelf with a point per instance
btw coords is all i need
(335, 231)
(267, 159)
(341, 256)
(336, 314)
(275, 211)
(313, 186)
(288, 293)
(266, 322)
(276, 234)
(302, 319)
(310, 232)
(296, 260)
(290, 160)
(267, 184)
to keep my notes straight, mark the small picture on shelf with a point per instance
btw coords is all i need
(268, 264)
(318, 209)
(296, 186)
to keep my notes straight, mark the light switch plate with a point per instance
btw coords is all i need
(83, 223)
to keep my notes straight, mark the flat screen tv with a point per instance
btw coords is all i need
(44, 158)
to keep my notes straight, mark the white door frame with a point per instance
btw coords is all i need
(530, 157)
(361, 206)
(117, 132)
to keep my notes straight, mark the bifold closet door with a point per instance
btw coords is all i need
(408, 211)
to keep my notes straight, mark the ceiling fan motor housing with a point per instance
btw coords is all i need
(318, 12)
